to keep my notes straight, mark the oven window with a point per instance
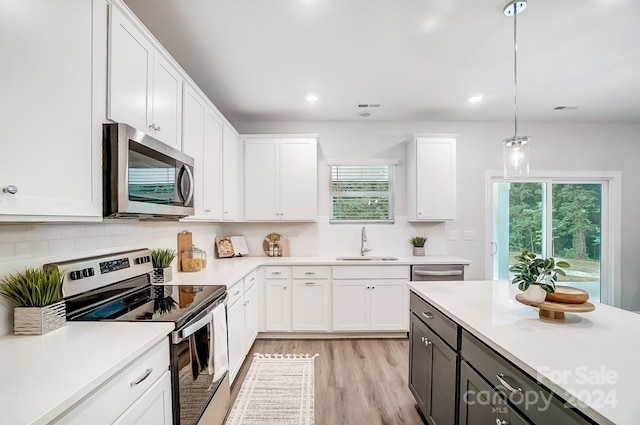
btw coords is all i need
(152, 177)
(195, 375)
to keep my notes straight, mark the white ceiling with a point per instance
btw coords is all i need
(420, 59)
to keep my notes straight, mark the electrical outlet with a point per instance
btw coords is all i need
(454, 235)
(291, 235)
(469, 235)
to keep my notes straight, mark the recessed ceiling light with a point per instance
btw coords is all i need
(475, 99)
(312, 98)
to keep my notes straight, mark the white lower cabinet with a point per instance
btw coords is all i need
(138, 394)
(371, 298)
(278, 299)
(235, 328)
(311, 298)
(251, 317)
(242, 321)
(153, 408)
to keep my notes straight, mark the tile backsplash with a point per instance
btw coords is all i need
(32, 245)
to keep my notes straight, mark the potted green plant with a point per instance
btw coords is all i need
(162, 259)
(536, 276)
(38, 294)
(418, 245)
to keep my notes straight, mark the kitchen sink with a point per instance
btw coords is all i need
(366, 259)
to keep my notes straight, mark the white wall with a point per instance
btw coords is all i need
(32, 245)
(555, 147)
(612, 147)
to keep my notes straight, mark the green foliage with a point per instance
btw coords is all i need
(525, 216)
(418, 241)
(162, 258)
(164, 305)
(33, 288)
(533, 270)
(576, 223)
(576, 219)
(360, 208)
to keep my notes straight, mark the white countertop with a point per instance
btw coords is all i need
(43, 376)
(227, 271)
(597, 352)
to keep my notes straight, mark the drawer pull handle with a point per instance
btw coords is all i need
(143, 377)
(252, 279)
(506, 384)
(309, 273)
(427, 315)
(276, 273)
(309, 283)
(236, 293)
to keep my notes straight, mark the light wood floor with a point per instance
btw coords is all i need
(358, 381)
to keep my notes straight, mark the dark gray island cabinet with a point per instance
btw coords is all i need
(458, 380)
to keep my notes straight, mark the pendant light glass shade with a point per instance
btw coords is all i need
(515, 157)
(515, 149)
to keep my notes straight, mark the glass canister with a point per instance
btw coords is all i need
(193, 259)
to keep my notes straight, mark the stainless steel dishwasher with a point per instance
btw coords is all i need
(437, 272)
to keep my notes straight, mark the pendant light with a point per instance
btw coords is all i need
(515, 149)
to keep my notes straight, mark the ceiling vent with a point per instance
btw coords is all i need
(565, 108)
(362, 105)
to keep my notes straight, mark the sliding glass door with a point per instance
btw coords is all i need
(554, 218)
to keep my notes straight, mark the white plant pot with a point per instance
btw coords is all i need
(535, 294)
(418, 251)
(39, 320)
(162, 275)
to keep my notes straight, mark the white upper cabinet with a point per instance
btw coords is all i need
(145, 89)
(431, 179)
(281, 179)
(167, 101)
(212, 165)
(52, 106)
(202, 139)
(229, 174)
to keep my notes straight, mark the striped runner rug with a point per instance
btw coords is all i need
(278, 390)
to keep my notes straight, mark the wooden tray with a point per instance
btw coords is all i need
(550, 310)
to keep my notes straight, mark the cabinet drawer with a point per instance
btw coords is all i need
(108, 402)
(272, 272)
(371, 272)
(250, 280)
(441, 324)
(235, 293)
(311, 272)
(532, 401)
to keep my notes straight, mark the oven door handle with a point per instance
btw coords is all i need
(200, 321)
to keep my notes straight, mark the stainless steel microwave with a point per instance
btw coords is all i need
(143, 177)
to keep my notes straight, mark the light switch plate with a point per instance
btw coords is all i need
(469, 235)
(454, 235)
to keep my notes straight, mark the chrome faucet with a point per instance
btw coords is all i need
(363, 239)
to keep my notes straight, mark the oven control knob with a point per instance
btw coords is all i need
(76, 275)
(88, 272)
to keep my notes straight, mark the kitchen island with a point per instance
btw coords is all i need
(589, 360)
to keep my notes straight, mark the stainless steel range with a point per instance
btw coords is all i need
(117, 287)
